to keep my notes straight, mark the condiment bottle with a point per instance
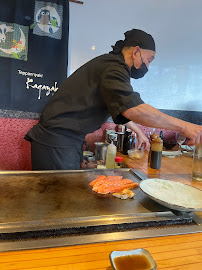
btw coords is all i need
(120, 128)
(161, 135)
(156, 153)
(197, 163)
(118, 162)
(152, 136)
(134, 140)
(111, 153)
(127, 142)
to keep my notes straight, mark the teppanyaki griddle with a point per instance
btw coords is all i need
(62, 202)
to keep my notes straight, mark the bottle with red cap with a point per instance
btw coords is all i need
(118, 162)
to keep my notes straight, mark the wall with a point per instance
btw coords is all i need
(174, 81)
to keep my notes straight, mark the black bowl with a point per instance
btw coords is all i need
(169, 145)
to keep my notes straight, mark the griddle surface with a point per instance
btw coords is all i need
(57, 200)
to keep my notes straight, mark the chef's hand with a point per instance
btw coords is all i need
(142, 141)
(193, 133)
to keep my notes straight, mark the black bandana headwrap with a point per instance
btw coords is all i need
(133, 38)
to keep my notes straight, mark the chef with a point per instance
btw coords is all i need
(95, 91)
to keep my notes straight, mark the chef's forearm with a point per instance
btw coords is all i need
(131, 125)
(147, 115)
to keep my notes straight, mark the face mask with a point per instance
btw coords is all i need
(139, 73)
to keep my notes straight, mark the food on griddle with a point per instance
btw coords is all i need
(116, 187)
(111, 184)
(100, 177)
(125, 194)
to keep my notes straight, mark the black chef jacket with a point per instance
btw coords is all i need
(85, 100)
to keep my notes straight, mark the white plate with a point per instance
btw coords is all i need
(187, 153)
(174, 195)
(171, 153)
(187, 147)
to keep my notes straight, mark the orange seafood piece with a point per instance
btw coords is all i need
(111, 183)
(100, 177)
(114, 177)
(98, 184)
(118, 182)
(103, 177)
(115, 188)
(126, 181)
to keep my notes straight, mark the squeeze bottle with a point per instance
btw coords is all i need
(111, 154)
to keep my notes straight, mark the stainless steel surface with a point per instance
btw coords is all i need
(87, 153)
(100, 150)
(88, 156)
(120, 137)
(34, 201)
(98, 238)
(51, 200)
(90, 224)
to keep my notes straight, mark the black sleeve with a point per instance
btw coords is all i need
(117, 92)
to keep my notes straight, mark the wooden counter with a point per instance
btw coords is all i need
(178, 168)
(170, 253)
